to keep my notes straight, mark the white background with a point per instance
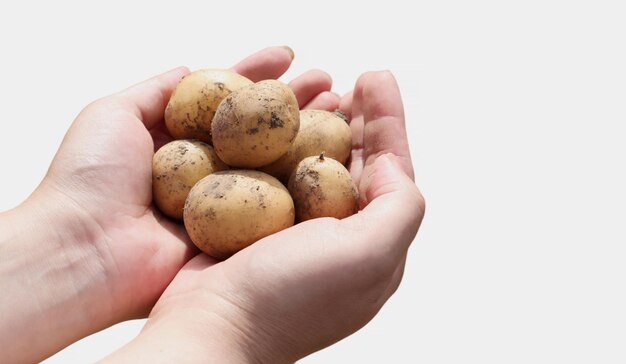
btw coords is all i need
(516, 113)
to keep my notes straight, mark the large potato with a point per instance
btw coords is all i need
(322, 187)
(176, 167)
(227, 211)
(193, 103)
(320, 132)
(255, 125)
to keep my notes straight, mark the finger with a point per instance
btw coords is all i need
(351, 105)
(324, 101)
(269, 63)
(356, 121)
(345, 104)
(356, 164)
(147, 100)
(310, 84)
(393, 212)
(384, 130)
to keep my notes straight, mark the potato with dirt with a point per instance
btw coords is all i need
(176, 167)
(256, 125)
(193, 103)
(229, 210)
(320, 132)
(322, 187)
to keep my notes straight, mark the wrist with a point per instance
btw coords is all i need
(53, 282)
(171, 341)
(191, 330)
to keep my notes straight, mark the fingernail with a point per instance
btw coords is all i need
(293, 55)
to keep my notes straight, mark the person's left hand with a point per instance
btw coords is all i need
(105, 253)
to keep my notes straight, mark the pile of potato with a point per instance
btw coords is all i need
(238, 145)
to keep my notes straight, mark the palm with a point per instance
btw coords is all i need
(110, 169)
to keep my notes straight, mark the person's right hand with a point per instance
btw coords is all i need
(311, 285)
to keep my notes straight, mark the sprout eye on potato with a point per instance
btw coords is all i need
(320, 132)
(323, 187)
(229, 210)
(193, 103)
(256, 125)
(176, 167)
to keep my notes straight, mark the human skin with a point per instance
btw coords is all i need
(88, 249)
(302, 289)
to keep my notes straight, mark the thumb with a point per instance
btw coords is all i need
(394, 207)
(384, 176)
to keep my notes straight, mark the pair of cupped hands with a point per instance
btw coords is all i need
(88, 249)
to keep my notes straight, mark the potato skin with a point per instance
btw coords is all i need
(191, 107)
(229, 210)
(323, 187)
(176, 167)
(320, 132)
(255, 125)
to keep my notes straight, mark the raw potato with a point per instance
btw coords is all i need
(322, 187)
(193, 103)
(176, 167)
(320, 132)
(227, 211)
(256, 125)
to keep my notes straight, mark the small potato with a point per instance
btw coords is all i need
(227, 211)
(320, 132)
(176, 167)
(255, 125)
(322, 187)
(193, 103)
